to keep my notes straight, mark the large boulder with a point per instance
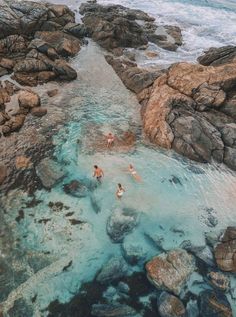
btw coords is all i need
(76, 189)
(216, 56)
(170, 306)
(28, 99)
(170, 271)
(121, 223)
(214, 304)
(49, 172)
(225, 251)
(186, 110)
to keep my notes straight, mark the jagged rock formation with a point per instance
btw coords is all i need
(33, 40)
(216, 56)
(115, 27)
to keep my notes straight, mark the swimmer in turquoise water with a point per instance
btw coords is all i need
(120, 191)
(134, 173)
(98, 173)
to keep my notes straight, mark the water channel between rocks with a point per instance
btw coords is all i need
(176, 200)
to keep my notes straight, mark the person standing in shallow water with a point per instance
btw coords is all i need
(98, 173)
(133, 172)
(110, 140)
(120, 191)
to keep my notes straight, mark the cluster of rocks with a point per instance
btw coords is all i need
(34, 40)
(189, 107)
(116, 27)
(168, 287)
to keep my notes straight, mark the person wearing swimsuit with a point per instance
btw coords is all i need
(120, 191)
(110, 140)
(98, 173)
(133, 172)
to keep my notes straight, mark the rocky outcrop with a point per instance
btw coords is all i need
(114, 310)
(133, 77)
(170, 271)
(185, 110)
(34, 39)
(213, 303)
(76, 189)
(216, 56)
(219, 280)
(170, 306)
(115, 26)
(225, 251)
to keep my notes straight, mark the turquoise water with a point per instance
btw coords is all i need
(169, 211)
(172, 201)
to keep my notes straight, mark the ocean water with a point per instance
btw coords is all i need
(175, 200)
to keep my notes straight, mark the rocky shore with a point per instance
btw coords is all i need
(190, 108)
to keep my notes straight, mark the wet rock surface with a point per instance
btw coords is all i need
(225, 251)
(170, 271)
(170, 306)
(115, 26)
(218, 56)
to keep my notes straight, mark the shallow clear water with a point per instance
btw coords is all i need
(174, 197)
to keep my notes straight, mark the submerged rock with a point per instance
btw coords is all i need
(214, 303)
(20, 308)
(225, 251)
(170, 306)
(113, 270)
(49, 172)
(121, 223)
(76, 188)
(112, 310)
(170, 271)
(133, 253)
(219, 280)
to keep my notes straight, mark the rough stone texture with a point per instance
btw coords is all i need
(170, 306)
(28, 99)
(112, 310)
(170, 271)
(115, 26)
(76, 189)
(3, 173)
(219, 280)
(121, 223)
(214, 303)
(114, 269)
(133, 77)
(38, 111)
(225, 251)
(49, 172)
(218, 56)
(186, 110)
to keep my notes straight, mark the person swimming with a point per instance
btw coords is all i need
(134, 173)
(120, 191)
(110, 139)
(98, 173)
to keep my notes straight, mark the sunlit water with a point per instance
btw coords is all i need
(172, 211)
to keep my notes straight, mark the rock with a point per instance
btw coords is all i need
(113, 270)
(76, 189)
(14, 124)
(20, 308)
(112, 310)
(214, 303)
(28, 99)
(229, 107)
(77, 30)
(192, 309)
(212, 238)
(3, 173)
(52, 93)
(134, 78)
(121, 223)
(170, 271)
(27, 17)
(183, 110)
(216, 56)
(228, 134)
(49, 172)
(23, 162)
(115, 27)
(151, 54)
(230, 157)
(133, 253)
(64, 44)
(170, 306)
(204, 254)
(219, 281)
(39, 111)
(225, 251)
